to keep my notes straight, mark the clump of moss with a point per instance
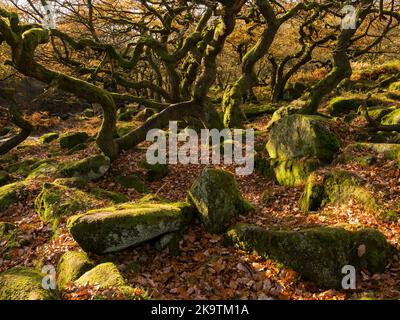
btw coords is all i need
(71, 266)
(72, 139)
(20, 283)
(395, 86)
(49, 137)
(294, 172)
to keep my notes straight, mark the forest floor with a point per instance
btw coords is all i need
(206, 267)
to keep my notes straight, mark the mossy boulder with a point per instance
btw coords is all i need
(392, 118)
(72, 139)
(336, 187)
(390, 151)
(71, 266)
(216, 196)
(341, 105)
(20, 283)
(317, 254)
(294, 172)
(299, 136)
(49, 137)
(284, 112)
(298, 145)
(55, 201)
(116, 228)
(154, 172)
(11, 193)
(114, 197)
(91, 168)
(131, 182)
(4, 178)
(106, 276)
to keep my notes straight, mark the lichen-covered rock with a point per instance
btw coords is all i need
(49, 137)
(116, 228)
(4, 178)
(154, 172)
(317, 254)
(216, 196)
(55, 201)
(91, 168)
(105, 275)
(71, 266)
(392, 118)
(10, 193)
(72, 139)
(299, 136)
(284, 112)
(336, 187)
(21, 283)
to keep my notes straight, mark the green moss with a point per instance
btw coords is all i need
(291, 173)
(72, 139)
(392, 118)
(124, 128)
(341, 105)
(91, 168)
(8, 239)
(106, 276)
(216, 196)
(116, 228)
(77, 148)
(390, 151)
(313, 195)
(317, 254)
(10, 193)
(71, 266)
(49, 137)
(4, 178)
(377, 113)
(374, 244)
(114, 197)
(395, 86)
(21, 283)
(75, 182)
(43, 169)
(154, 172)
(24, 167)
(55, 201)
(131, 182)
(282, 113)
